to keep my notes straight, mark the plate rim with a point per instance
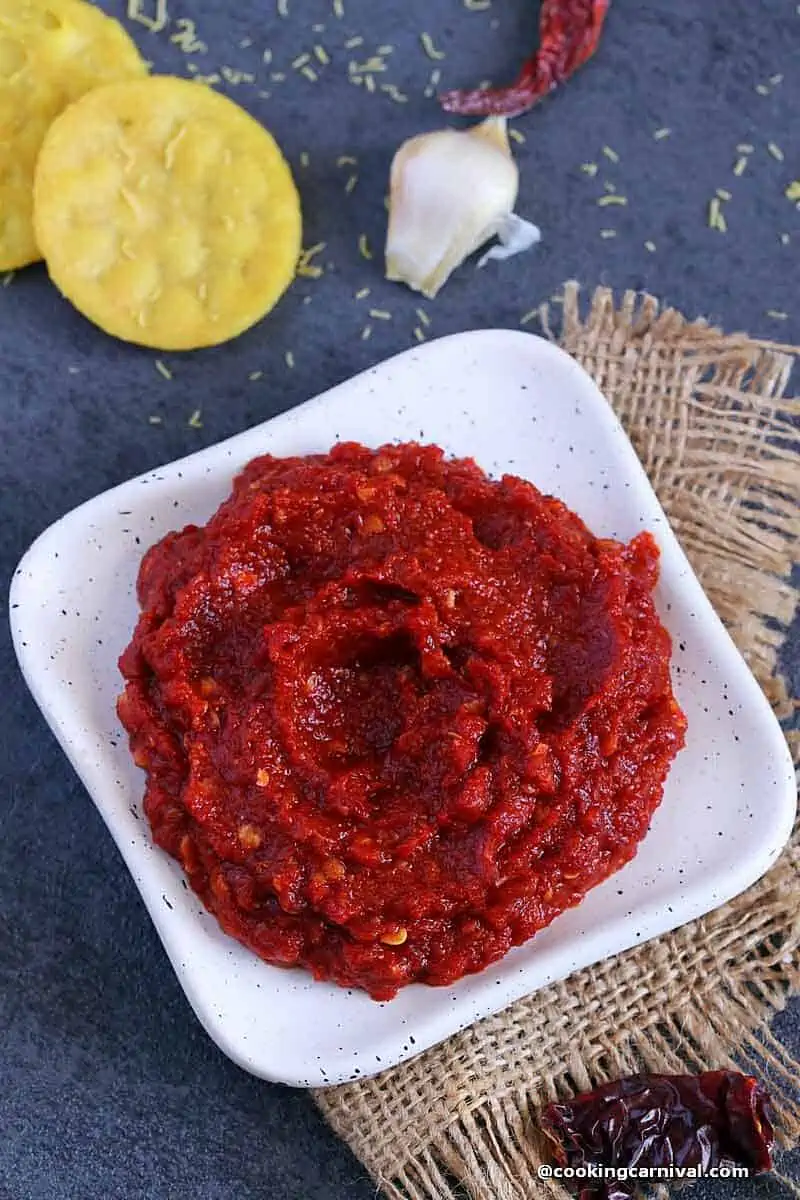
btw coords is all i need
(217, 454)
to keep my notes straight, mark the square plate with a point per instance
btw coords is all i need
(517, 404)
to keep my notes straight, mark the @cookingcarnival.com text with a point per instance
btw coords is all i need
(624, 1174)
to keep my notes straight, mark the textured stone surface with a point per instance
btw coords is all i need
(105, 1077)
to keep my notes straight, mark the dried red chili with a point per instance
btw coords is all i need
(702, 1121)
(569, 33)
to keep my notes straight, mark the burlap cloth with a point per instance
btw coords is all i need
(710, 421)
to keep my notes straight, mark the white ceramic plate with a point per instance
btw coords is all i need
(517, 404)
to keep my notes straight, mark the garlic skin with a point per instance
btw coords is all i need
(514, 236)
(451, 191)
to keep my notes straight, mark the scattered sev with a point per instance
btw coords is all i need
(716, 217)
(363, 246)
(232, 76)
(305, 268)
(433, 83)
(289, 360)
(373, 65)
(186, 37)
(195, 420)
(427, 45)
(156, 23)
(162, 369)
(394, 93)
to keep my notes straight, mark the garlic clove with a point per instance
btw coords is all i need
(494, 131)
(451, 191)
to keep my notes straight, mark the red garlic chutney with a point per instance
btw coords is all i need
(396, 716)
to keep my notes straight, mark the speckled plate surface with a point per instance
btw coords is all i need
(515, 403)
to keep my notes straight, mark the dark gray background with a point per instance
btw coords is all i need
(108, 1087)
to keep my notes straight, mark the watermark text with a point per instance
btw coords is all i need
(623, 1174)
